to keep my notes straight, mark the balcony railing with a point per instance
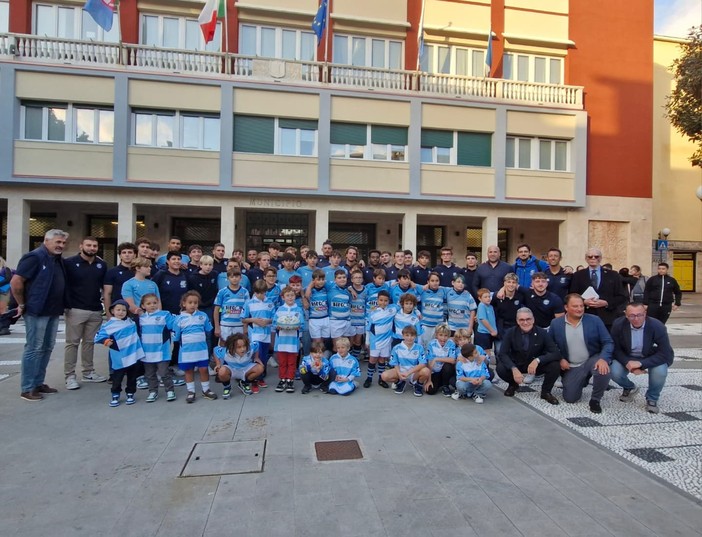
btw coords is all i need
(32, 48)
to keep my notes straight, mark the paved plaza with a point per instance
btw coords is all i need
(71, 465)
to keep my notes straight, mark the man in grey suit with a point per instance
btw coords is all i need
(641, 346)
(586, 350)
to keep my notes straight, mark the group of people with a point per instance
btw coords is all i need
(435, 329)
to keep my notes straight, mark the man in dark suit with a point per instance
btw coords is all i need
(528, 349)
(641, 346)
(586, 350)
(607, 284)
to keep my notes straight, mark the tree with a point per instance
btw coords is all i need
(684, 104)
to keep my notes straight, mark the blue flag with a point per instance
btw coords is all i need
(488, 56)
(102, 12)
(320, 20)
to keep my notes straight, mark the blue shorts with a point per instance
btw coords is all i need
(189, 366)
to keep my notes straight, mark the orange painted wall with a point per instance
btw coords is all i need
(613, 60)
(20, 17)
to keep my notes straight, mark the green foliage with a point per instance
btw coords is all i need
(684, 105)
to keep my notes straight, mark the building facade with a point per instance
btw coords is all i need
(391, 132)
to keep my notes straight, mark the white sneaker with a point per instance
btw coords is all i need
(455, 396)
(478, 399)
(559, 383)
(272, 362)
(142, 383)
(178, 372)
(528, 379)
(93, 377)
(72, 383)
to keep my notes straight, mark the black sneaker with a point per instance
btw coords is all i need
(383, 384)
(368, 382)
(290, 386)
(446, 391)
(280, 387)
(595, 407)
(400, 387)
(305, 390)
(418, 390)
(324, 389)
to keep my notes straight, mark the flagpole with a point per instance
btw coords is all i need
(225, 34)
(326, 35)
(420, 36)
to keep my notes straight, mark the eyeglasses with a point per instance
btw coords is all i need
(593, 256)
(636, 316)
(527, 320)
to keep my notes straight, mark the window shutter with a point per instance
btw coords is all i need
(305, 124)
(348, 133)
(388, 135)
(474, 149)
(434, 138)
(253, 134)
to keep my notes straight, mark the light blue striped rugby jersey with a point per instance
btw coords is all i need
(307, 365)
(344, 367)
(407, 319)
(319, 303)
(397, 292)
(472, 370)
(231, 306)
(432, 306)
(126, 348)
(407, 357)
(329, 273)
(305, 273)
(436, 350)
(372, 291)
(480, 350)
(236, 361)
(135, 289)
(155, 331)
(191, 330)
(339, 300)
(459, 307)
(223, 281)
(273, 295)
(288, 340)
(358, 308)
(255, 308)
(380, 323)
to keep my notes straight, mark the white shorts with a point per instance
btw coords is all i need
(358, 330)
(339, 328)
(226, 331)
(382, 349)
(239, 373)
(319, 328)
(427, 336)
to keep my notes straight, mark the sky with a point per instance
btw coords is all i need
(675, 17)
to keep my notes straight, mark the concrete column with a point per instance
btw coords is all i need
(409, 232)
(499, 149)
(126, 221)
(227, 229)
(489, 233)
(18, 211)
(321, 228)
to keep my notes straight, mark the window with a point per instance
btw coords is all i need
(274, 42)
(68, 22)
(182, 130)
(453, 60)
(539, 154)
(367, 52)
(61, 122)
(459, 148)
(528, 68)
(280, 136)
(4, 16)
(177, 33)
(350, 140)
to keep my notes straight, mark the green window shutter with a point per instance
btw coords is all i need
(348, 133)
(253, 134)
(434, 138)
(388, 135)
(474, 149)
(305, 124)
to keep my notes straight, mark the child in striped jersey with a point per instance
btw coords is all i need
(471, 375)
(229, 305)
(460, 338)
(316, 371)
(441, 353)
(408, 363)
(237, 359)
(345, 367)
(318, 299)
(408, 316)
(119, 333)
(191, 328)
(257, 318)
(460, 305)
(380, 323)
(339, 300)
(155, 327)
(289, 321)
(433, 299)
(358, 312)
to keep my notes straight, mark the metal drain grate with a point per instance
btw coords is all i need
(338, 450)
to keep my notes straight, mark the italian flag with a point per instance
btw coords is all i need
(213, 10)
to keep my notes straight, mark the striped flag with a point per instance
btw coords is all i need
(102, 12)
(213, 10)
(488, 56)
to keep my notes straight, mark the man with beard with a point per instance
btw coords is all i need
(85, 276)
(373, 263)
(558, 277)
(218, 254)
(116, 276)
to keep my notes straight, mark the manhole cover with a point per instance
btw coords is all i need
(338, 450)
(225, 458)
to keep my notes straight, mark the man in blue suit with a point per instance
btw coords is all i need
(641, 346)
(586, 350)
